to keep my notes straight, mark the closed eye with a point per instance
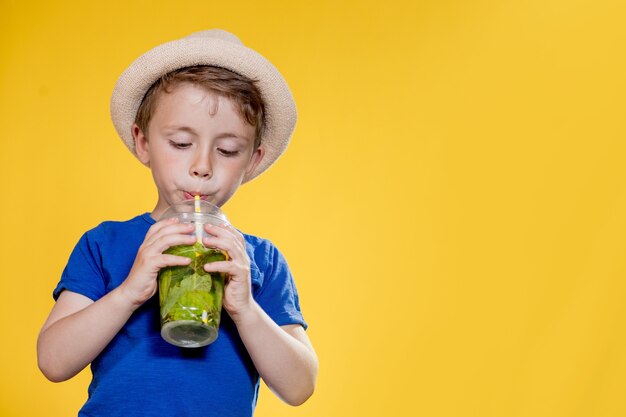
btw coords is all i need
(227, 153)
(180, 145)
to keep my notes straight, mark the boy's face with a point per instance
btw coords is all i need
(196, 144)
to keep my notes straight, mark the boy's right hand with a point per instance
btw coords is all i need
(141, 283)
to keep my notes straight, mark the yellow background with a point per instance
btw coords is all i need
(452, 204)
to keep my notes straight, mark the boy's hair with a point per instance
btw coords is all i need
(241, 90)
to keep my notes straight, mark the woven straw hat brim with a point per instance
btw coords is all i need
(216, 48)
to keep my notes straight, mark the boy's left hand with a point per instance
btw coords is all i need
(237, 291)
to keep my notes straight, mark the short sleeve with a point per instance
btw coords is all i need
(274, 286)
(83, 272)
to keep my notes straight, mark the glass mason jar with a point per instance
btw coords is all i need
(190, 298)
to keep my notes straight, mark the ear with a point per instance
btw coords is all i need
(142, 147)
(255, 159)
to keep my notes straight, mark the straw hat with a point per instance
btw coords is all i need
(217, 48)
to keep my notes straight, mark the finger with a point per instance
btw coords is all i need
(228, 245)
(179, 229)
(155, 263)
(160, 225)
(225, 234)
(224, 230)
(175, 227)
(222, 266)
(167, 241)
(173, 260)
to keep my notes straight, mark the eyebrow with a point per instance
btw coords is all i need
(223, 135)
(175, 128)
(230, 135)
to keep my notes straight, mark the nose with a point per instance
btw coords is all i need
(201, 166)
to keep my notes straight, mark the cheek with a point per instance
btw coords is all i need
(168, 160)
(165, 167)
(237, 171)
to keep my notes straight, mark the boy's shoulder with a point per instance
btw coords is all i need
(140, 219)
(112, 229)
(263, 253)
(257, 245)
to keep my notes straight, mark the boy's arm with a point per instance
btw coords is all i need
(283, 355)
(78, 329)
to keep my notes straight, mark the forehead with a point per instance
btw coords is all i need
(186, 104)
(188, 94)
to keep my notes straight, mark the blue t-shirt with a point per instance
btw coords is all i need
(138, 373)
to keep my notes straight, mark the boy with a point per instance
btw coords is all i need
(205, 114)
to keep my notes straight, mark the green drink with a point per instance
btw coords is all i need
(190, 298)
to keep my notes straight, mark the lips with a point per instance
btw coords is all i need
(190, 195)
